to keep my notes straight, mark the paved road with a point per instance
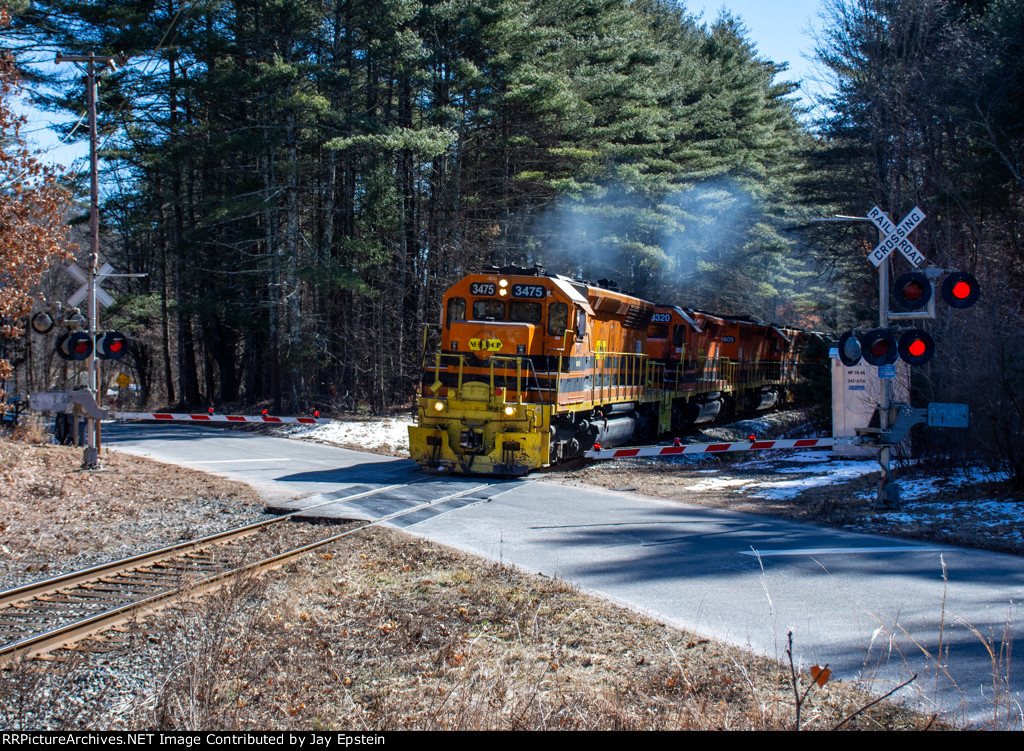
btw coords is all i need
(871, 607)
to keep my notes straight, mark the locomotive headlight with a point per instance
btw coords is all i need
(439, 406)
(503, 283)
(502, 292)
(510, 410)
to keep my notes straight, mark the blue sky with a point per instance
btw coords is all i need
(782, 31)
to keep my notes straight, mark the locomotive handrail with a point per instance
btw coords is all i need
(631, 369)
(426, 332)
(438, 356)
(558, 373)
(519, 372)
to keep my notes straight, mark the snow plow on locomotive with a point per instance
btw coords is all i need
(532, 369)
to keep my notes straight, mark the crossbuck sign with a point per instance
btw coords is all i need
(896, 236)
(82, 277)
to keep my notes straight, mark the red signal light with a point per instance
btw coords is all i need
(912, 291)
(960, 290)
(879, 347)
(111, 346)
(77, 346)
(316, 413)
(264, 412)
(916, 347)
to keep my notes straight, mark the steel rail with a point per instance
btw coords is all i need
(32, 590)
(65, 636)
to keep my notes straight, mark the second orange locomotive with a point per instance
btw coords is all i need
(535, 368)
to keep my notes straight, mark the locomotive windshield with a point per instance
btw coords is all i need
(456, 310)
(488, 310)
(558, 318)
(525, 312)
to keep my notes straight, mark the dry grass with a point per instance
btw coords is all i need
(392, 632)
(56, 517)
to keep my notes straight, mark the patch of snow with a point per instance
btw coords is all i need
(1005, 509)
(827, 474)
(835, 472)
(715, 483)
(385, 433)
(922, 488)
(771, 458)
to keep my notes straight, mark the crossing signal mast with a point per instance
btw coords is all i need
(914, 292)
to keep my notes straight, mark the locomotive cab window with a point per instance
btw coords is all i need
(657, 331)
(488, 310)
(677, 335)
(558, 318)
(456, 311)
(525, 312)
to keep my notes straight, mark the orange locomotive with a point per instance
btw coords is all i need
(535, 368)
(719, 365)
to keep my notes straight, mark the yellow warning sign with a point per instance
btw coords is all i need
(123, 380)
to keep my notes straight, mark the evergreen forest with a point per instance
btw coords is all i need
(296, 182)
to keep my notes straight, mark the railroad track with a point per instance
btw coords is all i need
(58, 613)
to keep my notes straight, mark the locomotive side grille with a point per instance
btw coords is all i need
(638, 317)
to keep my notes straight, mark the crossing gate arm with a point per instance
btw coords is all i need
(715, 448)
(184, 417)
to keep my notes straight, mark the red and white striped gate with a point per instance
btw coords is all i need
(184, 417)
(712, 448)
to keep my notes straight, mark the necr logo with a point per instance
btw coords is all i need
(485, 345)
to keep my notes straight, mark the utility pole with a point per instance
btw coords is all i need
(90, 458)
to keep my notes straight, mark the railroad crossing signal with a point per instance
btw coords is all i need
(896, 236)
(879, 347)
(850, 350)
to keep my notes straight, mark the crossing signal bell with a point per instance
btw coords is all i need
(42, 323)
